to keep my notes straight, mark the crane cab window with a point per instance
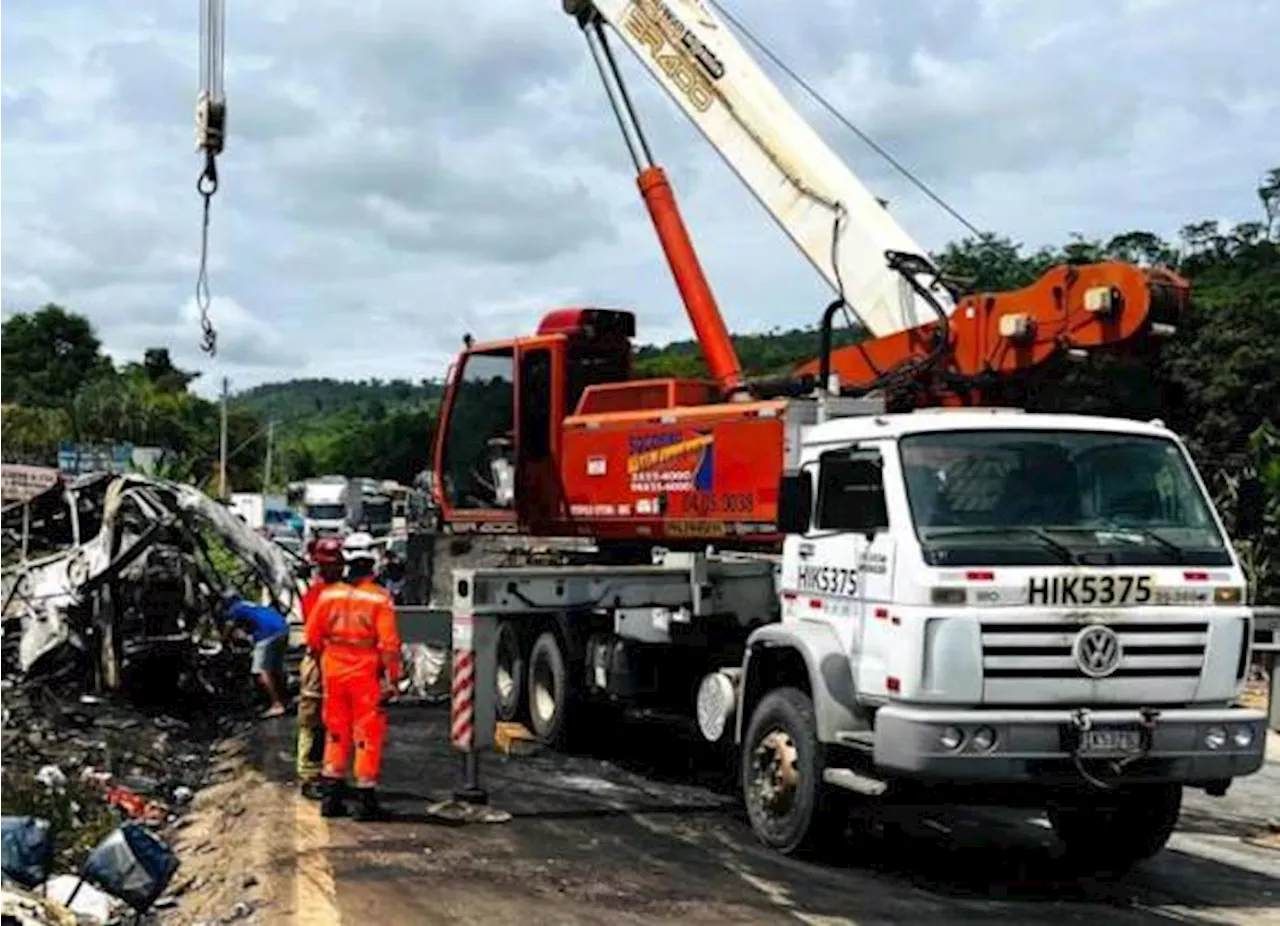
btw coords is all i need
(479, 451)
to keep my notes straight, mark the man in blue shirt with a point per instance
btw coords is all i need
(269, 631)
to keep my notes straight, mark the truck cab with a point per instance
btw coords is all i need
(1046, 604)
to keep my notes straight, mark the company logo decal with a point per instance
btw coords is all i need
(670, 462)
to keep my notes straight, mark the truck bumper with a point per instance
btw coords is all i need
(1181, 745)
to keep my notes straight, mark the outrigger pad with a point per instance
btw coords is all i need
(458, 813)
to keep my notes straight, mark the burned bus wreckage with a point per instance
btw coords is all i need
(117, 580)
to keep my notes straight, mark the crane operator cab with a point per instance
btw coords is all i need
(498, 438)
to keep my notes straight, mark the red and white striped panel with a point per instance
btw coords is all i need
(463, 705)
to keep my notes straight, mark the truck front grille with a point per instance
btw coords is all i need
(1030, 649)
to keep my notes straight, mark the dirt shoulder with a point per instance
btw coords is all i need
(237, 847)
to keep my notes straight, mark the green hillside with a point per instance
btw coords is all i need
(383, 428)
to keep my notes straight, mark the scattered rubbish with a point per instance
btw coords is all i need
(51, 777)
(1266, 838)
(240, 911)
(425, 677)
(27, 850)
(135, 806)
(182, 794)
(22, 908)
(82, 898)
(133, 865)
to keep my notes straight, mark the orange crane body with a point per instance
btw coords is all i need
(585, 449)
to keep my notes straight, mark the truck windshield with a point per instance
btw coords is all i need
(1004, 497)
(326, 512)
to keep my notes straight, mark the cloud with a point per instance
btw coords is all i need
(397, 175)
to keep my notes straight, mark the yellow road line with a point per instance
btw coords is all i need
(315, 899)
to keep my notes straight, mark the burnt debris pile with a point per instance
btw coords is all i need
(119, 677)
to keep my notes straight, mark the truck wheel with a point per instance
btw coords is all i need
(790, 808)
(1113, 835)
(509, 684)
(550, 690)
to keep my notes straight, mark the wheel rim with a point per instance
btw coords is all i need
(775, 773)
(544, 692)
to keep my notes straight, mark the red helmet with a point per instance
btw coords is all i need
(327, 551)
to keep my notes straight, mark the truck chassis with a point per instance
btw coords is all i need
(694, 635)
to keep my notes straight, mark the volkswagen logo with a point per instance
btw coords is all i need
(1097, 651)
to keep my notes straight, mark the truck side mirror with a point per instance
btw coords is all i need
(795, 503)
(1251, 503)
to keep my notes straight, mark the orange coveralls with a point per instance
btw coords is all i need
(353, 629)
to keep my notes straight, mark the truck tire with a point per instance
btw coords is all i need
(509, 684)
(551, 694)
(791, 809)
(1111, 836)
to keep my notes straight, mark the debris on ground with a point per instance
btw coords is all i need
(426, 676)
(119, 680)
(1268, 837)
(26, 908)
(240, 830)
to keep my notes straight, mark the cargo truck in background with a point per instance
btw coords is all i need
(376, 512)
(331, 505)
(261, 512)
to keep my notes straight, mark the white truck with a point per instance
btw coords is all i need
(978, 606)
(331, 505)
(259, 511)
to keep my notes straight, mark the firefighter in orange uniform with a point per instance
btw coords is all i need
(326, 554)
(353, 633)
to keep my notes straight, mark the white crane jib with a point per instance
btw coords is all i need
(829, 214)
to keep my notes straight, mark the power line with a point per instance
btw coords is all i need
(845, 121)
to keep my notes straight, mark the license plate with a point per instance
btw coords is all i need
(1110, 742)
(1106, 590)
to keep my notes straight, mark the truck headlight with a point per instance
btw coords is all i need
(951, 738)
(1242, 737)
(1215, 737)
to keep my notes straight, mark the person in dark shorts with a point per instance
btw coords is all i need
(269, 631)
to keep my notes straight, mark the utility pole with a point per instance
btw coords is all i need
(266, 468)
(222, 452)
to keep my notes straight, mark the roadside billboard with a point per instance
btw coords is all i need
(19, 482)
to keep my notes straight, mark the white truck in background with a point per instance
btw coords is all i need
(331, 505)
(259, 510)
(376, 512)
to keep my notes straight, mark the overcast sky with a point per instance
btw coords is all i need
(400, 172)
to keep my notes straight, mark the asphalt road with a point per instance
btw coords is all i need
(622, 836)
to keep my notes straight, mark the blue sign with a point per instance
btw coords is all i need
(77, 459)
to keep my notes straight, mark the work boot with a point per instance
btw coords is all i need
(367, 808)
(331, 804)
(313, 789)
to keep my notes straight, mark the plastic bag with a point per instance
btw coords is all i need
(425, 674)
(133, 865)
(27, 849)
